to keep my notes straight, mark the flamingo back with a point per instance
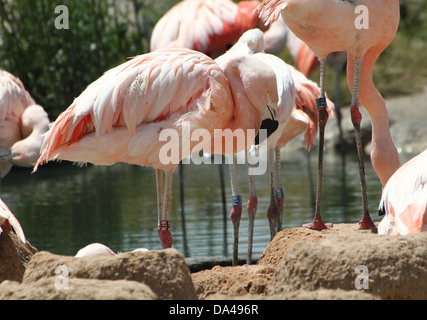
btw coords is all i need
(13, 96)
(149, 88)
(204, 25)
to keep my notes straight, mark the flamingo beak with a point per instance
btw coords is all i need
(268, 124)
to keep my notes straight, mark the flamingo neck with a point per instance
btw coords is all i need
(384, 155)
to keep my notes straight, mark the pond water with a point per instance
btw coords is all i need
(63, 207)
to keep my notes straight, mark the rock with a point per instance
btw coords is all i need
(284, 239)
(76, 289)
(14, 256)
(321, 294)
(164, 271)
(396, 265)
(233, 281)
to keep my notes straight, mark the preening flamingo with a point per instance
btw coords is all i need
(208, 26)
(329, 26)
(122, 116)
(8, 221)
(404, 199)
(22, 123)
(303, 118)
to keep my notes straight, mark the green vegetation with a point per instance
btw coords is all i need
(56, 65)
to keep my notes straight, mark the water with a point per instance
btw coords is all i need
(63, 207)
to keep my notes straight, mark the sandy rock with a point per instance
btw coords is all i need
(286, 238)
(396, 265)
(14, 256)
(76, 289)
(232, 281)
(164, 271)
(321, 294)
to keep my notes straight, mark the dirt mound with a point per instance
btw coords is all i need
(341, 264)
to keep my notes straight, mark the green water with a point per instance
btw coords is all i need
(63, 207)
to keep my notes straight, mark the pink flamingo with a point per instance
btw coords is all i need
(213, 26)
(304, 119)
(404, 199)
(208, 26)
(9, 221)
(316, 23)
(297, 100)
(121, 116)
(22, 124)
(95, 249)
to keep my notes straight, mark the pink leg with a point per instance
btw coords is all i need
(164, 202)
(236, 210)
(272, 213)
(252, 206)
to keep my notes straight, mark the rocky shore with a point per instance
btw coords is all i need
(298, 264)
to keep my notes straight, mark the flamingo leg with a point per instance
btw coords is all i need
(272, 212)
(236, 211)
(164, 202)
(337, 103)
(252, 207)
(317, 222)
(356, 118)
(181, 198)
(224, 205)
(280, 196)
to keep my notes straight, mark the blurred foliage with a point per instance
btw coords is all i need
(56, 65)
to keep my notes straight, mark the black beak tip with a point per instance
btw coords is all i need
(269, 125)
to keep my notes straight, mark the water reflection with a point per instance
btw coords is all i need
(63, 207)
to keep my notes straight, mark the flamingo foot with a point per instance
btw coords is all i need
(366, 223)
(165, 235)
(317, 224)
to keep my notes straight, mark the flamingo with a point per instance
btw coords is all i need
(208, 26)
(22, 123)
(329, 26)
(213, 26)
(303, 118)
(8, 221)
(404, 199)
(95, 249)
(121, 116)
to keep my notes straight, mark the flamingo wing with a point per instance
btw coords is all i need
(148, 88)
(7, 217)
(203, 25)
(404, 198)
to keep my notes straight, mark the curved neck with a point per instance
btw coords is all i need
(384, 155)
